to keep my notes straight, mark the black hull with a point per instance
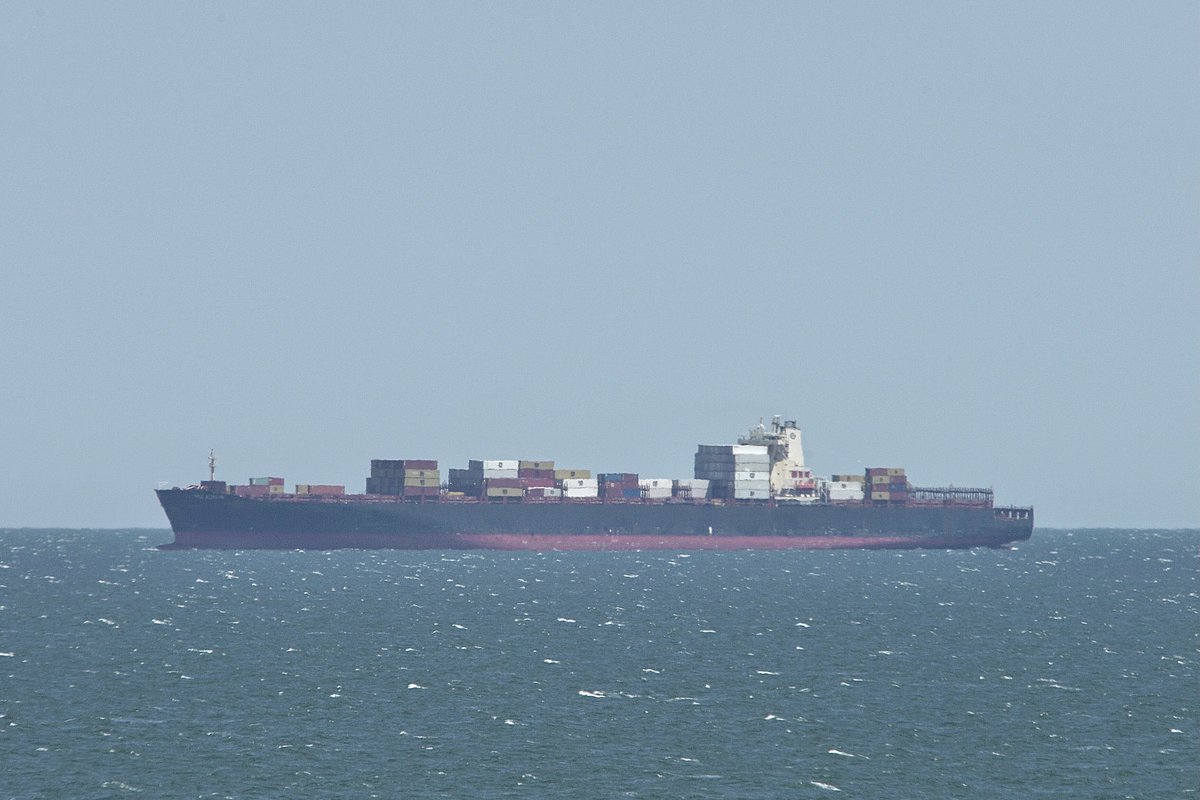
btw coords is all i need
(203, 519)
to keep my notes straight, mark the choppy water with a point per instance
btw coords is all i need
(1064, 669)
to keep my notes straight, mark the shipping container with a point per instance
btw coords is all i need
(763, 475)
(531, 483)
(503, 464)
(581, 483)
(580, 491)
(421, 473)
(879, 480)
(536, 473)
(324, 490)
(620, 478)
(421, 491)
(751, 494)
(656, 493)
(536, 465)
(504, 483)
(505, 491)
(419, 463)
(755, 485)
(749, 450)
(896, 471)
(564, 474)
(656, 483)
(881, 495)
(502, 474)
(873, 471)
(420, 483)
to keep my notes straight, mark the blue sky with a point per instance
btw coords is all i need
(959, 238)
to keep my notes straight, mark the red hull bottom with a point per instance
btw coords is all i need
(516, 541)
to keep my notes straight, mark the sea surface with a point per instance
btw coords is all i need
(1065, 668)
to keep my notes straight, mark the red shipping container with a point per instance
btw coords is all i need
(873, 471)
(537, 474)
(421, 491)
(504, 483)
(419, 463)
(541, 483)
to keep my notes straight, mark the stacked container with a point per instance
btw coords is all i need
(537, 475)
(260, 487)
(887, 485)
(580, 488)
(845, 489)
(693, 489)
(620, 486)
(410, 477)
(736, 471)
(468, 481)
(656, 488)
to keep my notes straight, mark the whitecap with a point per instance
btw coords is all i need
(565, 619)
(415, 686)
(847, 755)
(550, 661)
(828, 786)
(585, 693)
(764, 672)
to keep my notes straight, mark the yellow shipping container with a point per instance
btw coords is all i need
(505, 491)
(421, 481)
(535, 465)
(881, 495)
(567, 474)
(896, 472)
(301, 488)
(878, 479)
(849, 478)
(275, 490)
(410, 474)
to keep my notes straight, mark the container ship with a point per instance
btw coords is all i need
(755, 494)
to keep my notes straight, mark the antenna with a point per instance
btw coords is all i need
(212, 465)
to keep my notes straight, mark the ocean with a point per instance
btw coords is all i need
(1064, 668)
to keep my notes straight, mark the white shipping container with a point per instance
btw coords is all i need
(749, 450)
(657, 493)
(552, 492)
(580, 491)
(763, 485)
(751, 463)
(505, 464)
(751, 494)
(581, 483)
(845, 494)
(656, 483)
(500, 473)
(759, 475)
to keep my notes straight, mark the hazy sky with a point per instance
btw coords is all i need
(961, 238)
